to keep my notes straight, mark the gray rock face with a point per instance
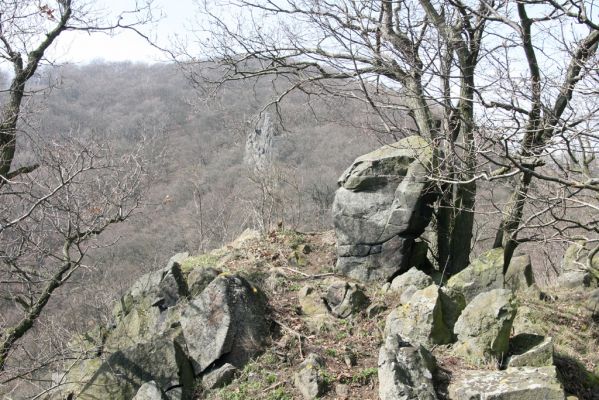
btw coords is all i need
(425, 319)
(122, 374)
(219, 377)
(409, 282)
(405, 371)
(199, 278)
(524, 383)
(483, 328)
(259, 144)
(227, 322)
(345, 299)
(309, 379)
(526, 323)
(314, 309)
(381, 206)
(530, 351)
(149, 391)
(486, 273)
(162, 288)
(574, 279)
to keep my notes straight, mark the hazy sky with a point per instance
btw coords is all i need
(80, 47)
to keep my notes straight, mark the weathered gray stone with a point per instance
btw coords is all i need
(199, 278)
(142, 324)
(421, 320)
(526, 323)
(409, 282)
(592, 303)
(574, 279)
(529, 350)
(486, 273)
(381, 206)
(345, 299)
(120, 376)
(483, 328)
(405, 371)
(218, 377)
(314, 308)
(375, 309)
(342, 391)
(525, 383)
(227, 322)
(162, 288)
(150, 391)
(309, 379)
(519, 274)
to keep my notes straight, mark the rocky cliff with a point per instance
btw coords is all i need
(269, 317)
(279, 316)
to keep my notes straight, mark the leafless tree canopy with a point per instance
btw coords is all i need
(72, 190)
(505, 90)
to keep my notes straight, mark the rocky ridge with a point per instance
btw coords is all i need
(354, 356)
(280, 317)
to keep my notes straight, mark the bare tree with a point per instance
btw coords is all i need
(28, 29)
(504, 90)
(57, 193)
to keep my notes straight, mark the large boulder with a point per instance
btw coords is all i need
(150, 391)
(144, 322)
(486, 273)
(226, 322)
(121, 374)
(483, 328)
(405, 371)
(381, 206)
(309, 379)
(345, 299)
(406, 284)
(529, 350)
(526, 383)
(427, 318)
(314, 309)
(162, 288)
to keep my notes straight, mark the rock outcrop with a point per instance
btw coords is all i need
(483, 328)
(164, 339)
(427, 319)
(405, 371)
(528, 350)
(120, 376)
(309, 379)
(260, 143)
(381, 206)
(315, 309)
(345, 299)
(486, 273)
(226, 323)
(525, 383)
(406, 284)
(150, 391)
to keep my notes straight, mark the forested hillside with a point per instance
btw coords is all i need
(201, 193)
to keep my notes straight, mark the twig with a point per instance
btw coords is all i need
(271, 387)
(308, 276)
(296, 333)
